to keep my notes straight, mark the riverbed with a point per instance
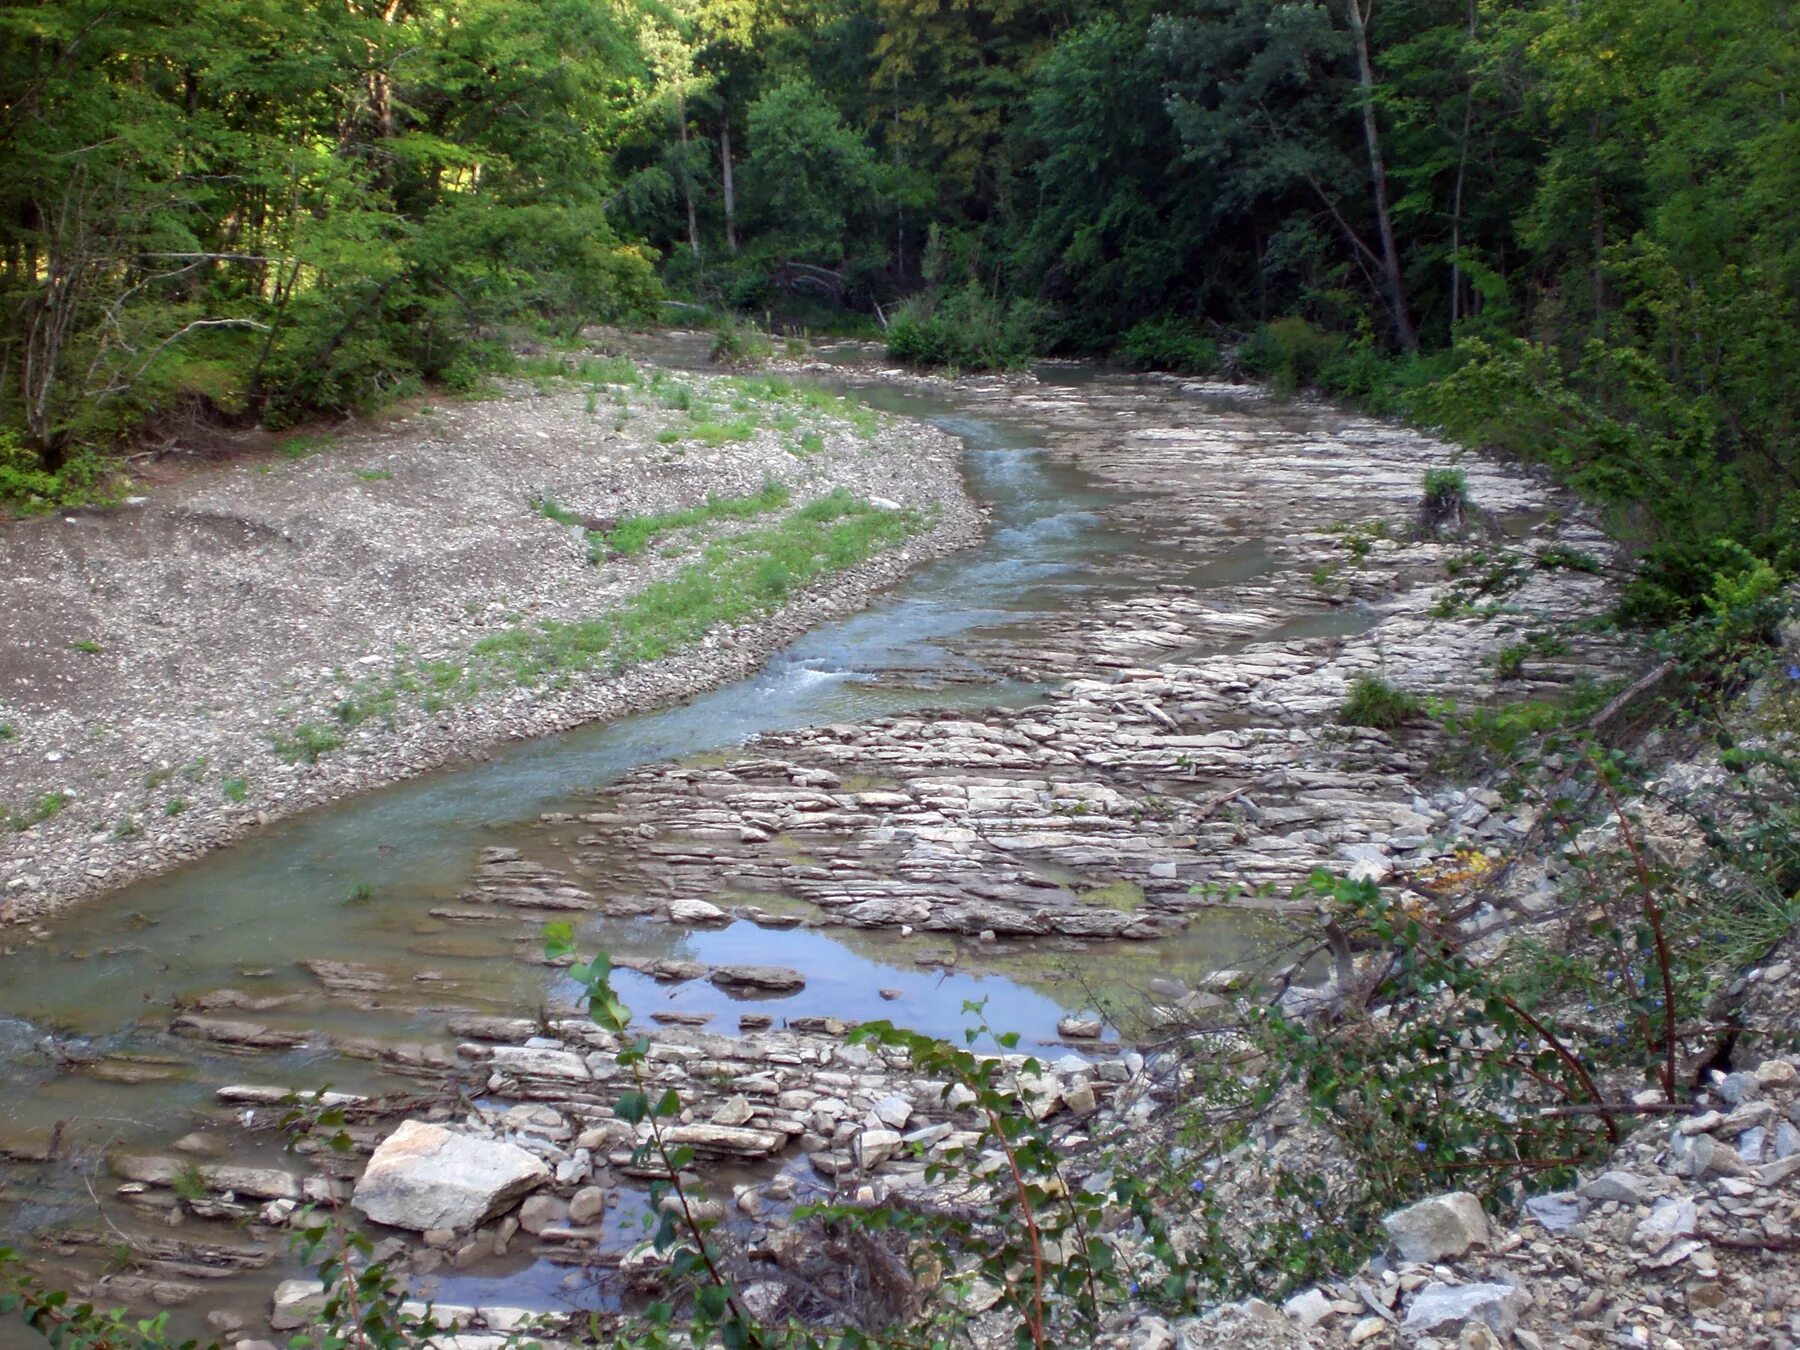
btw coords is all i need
(1021, 780)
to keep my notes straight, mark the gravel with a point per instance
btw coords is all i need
(154, 653)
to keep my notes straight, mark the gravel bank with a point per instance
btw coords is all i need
(165, 664)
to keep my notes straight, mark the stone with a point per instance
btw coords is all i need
(1367, 1329)
(1080, 1029)
(725, 1139)
(540, 1212)
(1626, 1188)
(1558, 1213)
(1080, 1100)
(222, 1321)
(734, 1112)
(893, 1112)
(874, 1147)
(768, 979)
(1670, 1218)
(424, 1177)
(1775, 1073)
(586, 1205)
(696, 912)
(296, 1303)
(1442, 1309)
(1439, 1228)
(1309, 1308)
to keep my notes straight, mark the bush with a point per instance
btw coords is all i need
(1170, 344)
(739, 343)
(964, 330)
(1373, 702)
(1289, 353)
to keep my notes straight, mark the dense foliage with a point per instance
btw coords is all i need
(1565, 229)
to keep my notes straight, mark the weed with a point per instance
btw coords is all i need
(305, 743)
(189, 1183)
(300, 447)
(374, 475)
(1373, 702)
(550, 509)
(124, 828)
(633, 534)
(175, 807)
(360, 894)
(737, 578)
(811, 443)
(87, 645)
(235, 789)
(6, 731)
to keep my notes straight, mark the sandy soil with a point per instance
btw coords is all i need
(153, 657)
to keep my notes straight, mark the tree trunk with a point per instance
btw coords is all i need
(687, 182)
(1462, 178)
(730, 183)
(1390, 256)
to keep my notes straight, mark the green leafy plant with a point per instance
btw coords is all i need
(305, 743)
(1373, 702)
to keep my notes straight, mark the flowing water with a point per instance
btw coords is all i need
(106, 987)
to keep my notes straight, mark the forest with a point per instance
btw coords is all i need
(1565, 228)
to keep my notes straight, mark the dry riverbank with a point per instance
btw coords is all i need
(266, 636)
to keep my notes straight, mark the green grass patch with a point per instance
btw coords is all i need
(87, 646)
(551, 509)
(304, 446)
(736, 579)
(374, 475)
(235, 789)
(46, 806)
(634, 534)
(6, 731)
(1373, 702)
(305, 743)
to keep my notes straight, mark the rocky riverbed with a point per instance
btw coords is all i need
(1171, 750)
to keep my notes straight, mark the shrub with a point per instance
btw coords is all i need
(963, 330)
(1171, 344)
(1289, 353)
(1373, 702)
(738, 343)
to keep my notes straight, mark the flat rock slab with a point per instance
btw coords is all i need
(728, 1139)
(424, 1177)
(769, 979)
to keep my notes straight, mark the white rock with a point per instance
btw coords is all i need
(696, 912)
(588, 1204)
(1439, 1228)
(423, 1176)
(1308, 1309)
(893, 1112)
(296, 1303)
(874, 1147)
(1445, 1309)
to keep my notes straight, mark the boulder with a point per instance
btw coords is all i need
(696, 912)
(1439, 1228)
(425, 1177)
(1443, 1310)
